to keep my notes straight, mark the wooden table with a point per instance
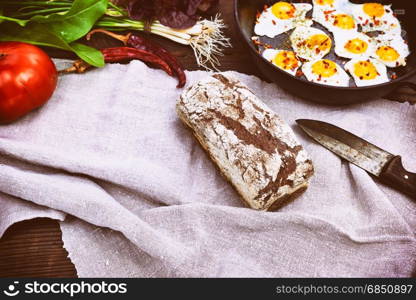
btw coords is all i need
(34, 248)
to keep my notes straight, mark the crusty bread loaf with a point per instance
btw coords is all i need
(253, 148)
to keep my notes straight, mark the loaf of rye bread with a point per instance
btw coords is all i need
(252, 147)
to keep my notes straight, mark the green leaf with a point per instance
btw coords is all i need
(40, 34)
(33, 33)
(90, 55)
(77, 22)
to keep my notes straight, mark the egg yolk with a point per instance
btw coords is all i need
(365, 70)
(387, 53)
(324, 68)
(374, 9)
(283, 10)
(344, 21)
(319, 41)
(286, 60)
(356, 46)
(324, 2)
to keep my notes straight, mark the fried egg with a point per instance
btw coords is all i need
(353, 45)
(391, 50)
(336, 20)
(327, 72)
(310, 43)
(329, 3)
(376, 17)
(367, 71)
(320, 6)
(283, 59)
(281, 17)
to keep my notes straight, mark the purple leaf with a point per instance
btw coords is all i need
(176, 19)
(201, 6)
(141, 9)
(178, 14)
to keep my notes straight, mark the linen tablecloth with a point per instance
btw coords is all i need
(137, 196)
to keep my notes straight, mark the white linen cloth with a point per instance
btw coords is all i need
(137, 196)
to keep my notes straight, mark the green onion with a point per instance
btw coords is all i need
(205, 37)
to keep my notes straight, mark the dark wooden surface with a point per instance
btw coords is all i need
(34, 248)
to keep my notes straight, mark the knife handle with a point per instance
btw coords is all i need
(396, 176)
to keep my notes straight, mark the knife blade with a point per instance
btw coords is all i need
(376, 161)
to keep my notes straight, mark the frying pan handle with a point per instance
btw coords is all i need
(405, 92)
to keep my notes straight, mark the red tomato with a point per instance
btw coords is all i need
(28, 78)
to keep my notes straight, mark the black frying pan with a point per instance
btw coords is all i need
(245, 15)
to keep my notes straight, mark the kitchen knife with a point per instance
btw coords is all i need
(382, 164)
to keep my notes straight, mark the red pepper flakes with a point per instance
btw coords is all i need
(258, 14)
(256, 42)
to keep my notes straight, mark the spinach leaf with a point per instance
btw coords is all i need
(40, 34)
(90, 55)
(77, 22)
(59, 30)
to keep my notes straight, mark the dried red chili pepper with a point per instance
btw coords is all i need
(118, 54)
(141, 43)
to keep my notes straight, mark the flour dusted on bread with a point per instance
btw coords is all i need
(252, 147)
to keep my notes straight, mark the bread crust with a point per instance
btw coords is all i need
(253, 148)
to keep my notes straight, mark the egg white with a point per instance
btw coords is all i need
(340, 78)
(397, 43)
(319, 9)
(335, 4)
(269, 25)
(380, 67)
(298, 40)
(387, 23)
(270, 54)
(341, 40)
